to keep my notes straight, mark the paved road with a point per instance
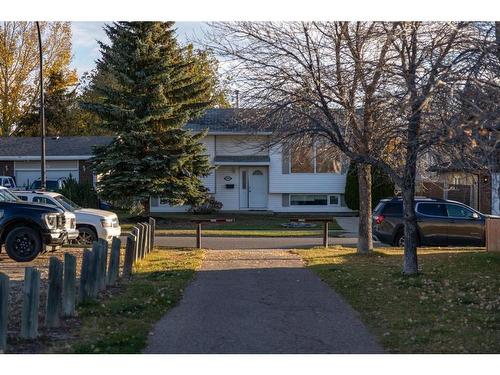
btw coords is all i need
(225, 243)
(259, 301)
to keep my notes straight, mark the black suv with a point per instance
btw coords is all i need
(440, 223)
(26, 227)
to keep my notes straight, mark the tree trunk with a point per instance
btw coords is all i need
(365, 240)
(410, 262)
(145, 207)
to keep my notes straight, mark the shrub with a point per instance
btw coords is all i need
(81, 193)
(209, 206)
(382, 186)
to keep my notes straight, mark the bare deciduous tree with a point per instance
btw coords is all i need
(367, 87)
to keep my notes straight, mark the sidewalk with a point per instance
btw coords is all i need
(259, 301)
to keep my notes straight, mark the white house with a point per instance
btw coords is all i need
(251, 174)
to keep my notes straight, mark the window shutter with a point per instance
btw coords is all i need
(285, 158)
(285, 200)
(155, 202)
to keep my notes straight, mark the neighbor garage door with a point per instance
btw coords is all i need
(27, 172)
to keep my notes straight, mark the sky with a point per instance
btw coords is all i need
(86, 35)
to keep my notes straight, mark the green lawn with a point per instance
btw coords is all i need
(249, 225)
(453, 306)
(121, 323)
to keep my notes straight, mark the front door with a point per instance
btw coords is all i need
(257, 187)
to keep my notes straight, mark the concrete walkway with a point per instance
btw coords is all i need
(259, 301)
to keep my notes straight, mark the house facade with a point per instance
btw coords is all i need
(253, 173)
(250, 172)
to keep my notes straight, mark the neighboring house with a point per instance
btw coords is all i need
(250, 173)
(65, 156)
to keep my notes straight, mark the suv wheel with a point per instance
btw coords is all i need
(400, 239)
(23, 244)
(85, 237)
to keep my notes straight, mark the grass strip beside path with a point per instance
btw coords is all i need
(453, 306)
(121, 323)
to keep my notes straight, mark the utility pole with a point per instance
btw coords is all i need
(42, 113)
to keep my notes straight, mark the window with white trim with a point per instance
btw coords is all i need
(316, 157)
(314, 200)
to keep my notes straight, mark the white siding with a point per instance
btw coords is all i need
(301, 182)
(229, 145)
(230, 198)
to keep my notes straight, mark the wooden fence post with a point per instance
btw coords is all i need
(69, 285)
(31, 303)
(114, 261)
(103, 245)
(54, 293)
(130, 251)
(85, 290)
(147, 239)
(142, 236)
(325, 234)
(152, 224)
(136, 234)
(198, 235)
(95, 270)
(4, 302)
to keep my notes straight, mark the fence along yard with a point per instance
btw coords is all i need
(97, 273)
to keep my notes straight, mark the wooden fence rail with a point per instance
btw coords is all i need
(96, 274)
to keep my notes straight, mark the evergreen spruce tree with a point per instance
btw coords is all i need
(152, 88)
(382, 187)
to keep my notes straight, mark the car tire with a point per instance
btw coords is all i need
(23, 244)
(85, 237)
(399, 239)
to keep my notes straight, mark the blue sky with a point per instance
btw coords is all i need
(86, 34)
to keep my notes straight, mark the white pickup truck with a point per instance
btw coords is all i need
(91, 223)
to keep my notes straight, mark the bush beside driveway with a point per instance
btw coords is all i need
(453, 306)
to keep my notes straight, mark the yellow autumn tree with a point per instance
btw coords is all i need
(19, 63)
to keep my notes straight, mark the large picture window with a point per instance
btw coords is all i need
(316, 158)
(302, 160)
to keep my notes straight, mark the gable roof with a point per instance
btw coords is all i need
(216, 121)
(228, 120)
(17, 147)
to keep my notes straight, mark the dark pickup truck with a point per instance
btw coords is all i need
(27, 229)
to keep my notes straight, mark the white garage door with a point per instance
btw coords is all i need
(25, 178)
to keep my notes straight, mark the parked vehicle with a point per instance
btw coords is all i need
(440, 222)
(91, 223)
(26, 227)
(50, 185)
(8, 182)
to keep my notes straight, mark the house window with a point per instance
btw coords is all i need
(302, 160)
(333, 200)
(327, 160)
(316, 158)
(244, 180)
(308, 200)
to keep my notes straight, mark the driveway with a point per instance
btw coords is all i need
(259, 301)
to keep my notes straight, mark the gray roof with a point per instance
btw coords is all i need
(230, 120)
(242, 159)
(62, 146)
